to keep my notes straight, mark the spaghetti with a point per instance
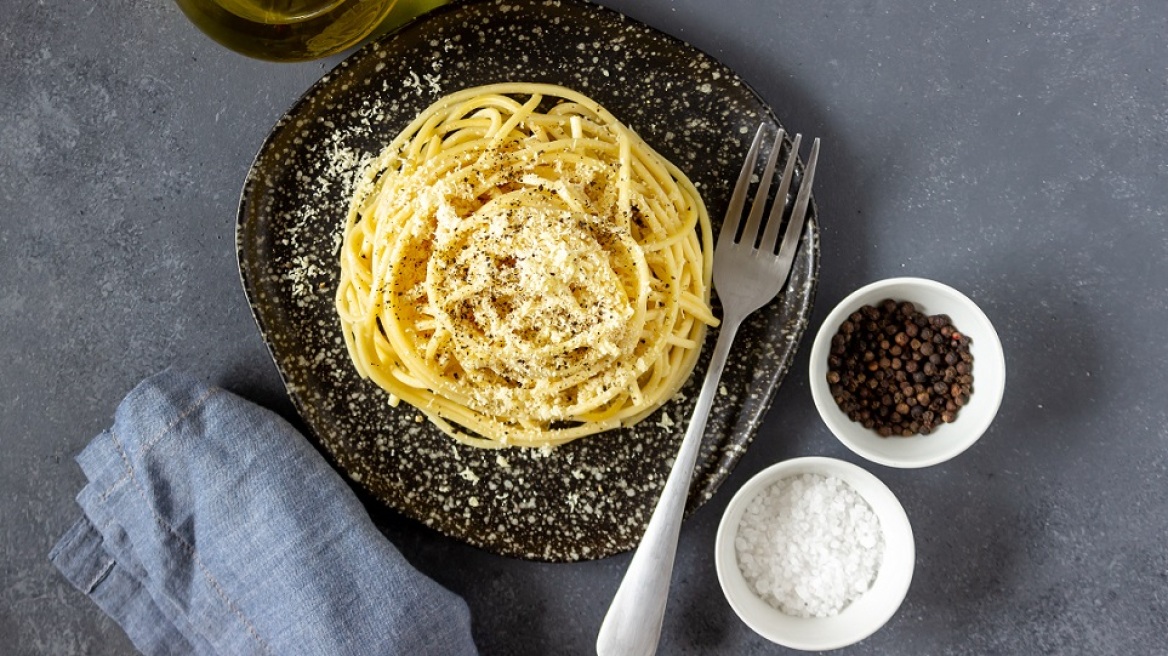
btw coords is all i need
(524, 270)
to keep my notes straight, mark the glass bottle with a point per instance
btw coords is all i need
(287, 30)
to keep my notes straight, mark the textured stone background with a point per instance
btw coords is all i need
(1019, 154)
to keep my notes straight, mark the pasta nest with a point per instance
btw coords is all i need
(524, 270)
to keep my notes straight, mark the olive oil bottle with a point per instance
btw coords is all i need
(287, 30)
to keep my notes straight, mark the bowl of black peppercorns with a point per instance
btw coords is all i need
(907, 372)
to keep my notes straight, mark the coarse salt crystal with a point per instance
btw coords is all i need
(809, 545)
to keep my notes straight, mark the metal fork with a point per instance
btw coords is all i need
(746, 278)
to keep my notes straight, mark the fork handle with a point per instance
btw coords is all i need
(632, 626)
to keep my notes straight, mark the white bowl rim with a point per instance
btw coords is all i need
(987, 338)
(893, 580)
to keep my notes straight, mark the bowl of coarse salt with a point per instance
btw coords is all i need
(814, 553)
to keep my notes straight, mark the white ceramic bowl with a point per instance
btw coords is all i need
(859, 619)
(947, 440)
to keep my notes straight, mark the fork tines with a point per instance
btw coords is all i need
(765, 242)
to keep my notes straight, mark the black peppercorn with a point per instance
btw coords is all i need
(897, 371)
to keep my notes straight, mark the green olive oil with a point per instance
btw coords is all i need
(287, 30)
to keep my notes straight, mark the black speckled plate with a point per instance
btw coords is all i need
(590, 498)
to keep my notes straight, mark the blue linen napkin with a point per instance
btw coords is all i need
(211, 526)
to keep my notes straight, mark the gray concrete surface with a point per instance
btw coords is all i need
(1018, 153)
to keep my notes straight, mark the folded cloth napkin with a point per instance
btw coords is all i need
(212, 527)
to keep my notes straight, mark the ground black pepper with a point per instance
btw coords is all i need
(897, 371)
